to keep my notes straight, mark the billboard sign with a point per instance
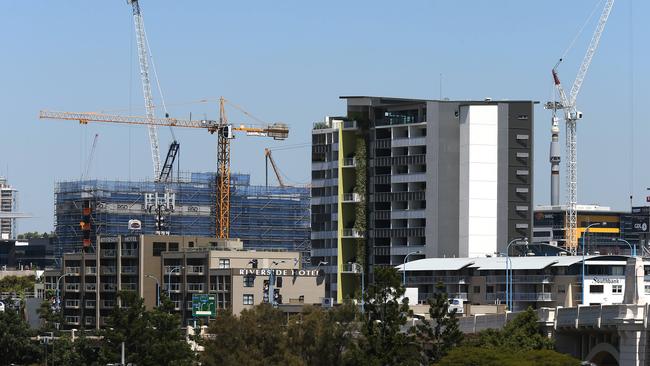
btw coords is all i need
(635, 223)
(204, 305)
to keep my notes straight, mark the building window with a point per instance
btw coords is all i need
(224, 263)
(596, 289)
(248, 299)
(617, 289)
(173, 247)
(477, 289)
(561, 289)
(489, 289)
(159, 248)
(249, 281)
(647, 289)
(278, 282)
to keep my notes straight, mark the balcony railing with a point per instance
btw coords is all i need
(91, 270)
(173, 287)
(194, 287)
(74, 320)
(108, 304)
(109, 287)
(90, 320)
(109, 270)
(72, 287)
(72, 304)
(129, 269)
(349, 162)
(129, 252)
(351, 268)
(91, 287)
(108, 252)
(521, 279)
(195, 270)
(424, 296)
(436, 279)
(521, 296)
(351, 197)
(352, 233)
(72, 270)
(177, 305)
(90, 304)
(174, 270)
(129, 286)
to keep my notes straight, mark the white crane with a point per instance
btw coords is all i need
(571, 116)
(146, 85)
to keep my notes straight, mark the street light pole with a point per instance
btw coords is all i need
(632, 248)
(404, 266)
(58, 290)
(157, 288)
(509, 287)
(169, 280)
(582, 301)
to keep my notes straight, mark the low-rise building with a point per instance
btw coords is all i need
(537, 282)
(183, 266)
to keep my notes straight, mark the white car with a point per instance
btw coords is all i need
(456, 304)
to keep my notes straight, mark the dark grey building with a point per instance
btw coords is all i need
(446, 178)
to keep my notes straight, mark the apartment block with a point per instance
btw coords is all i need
(436, 178)
(8, 202)
(182, 266)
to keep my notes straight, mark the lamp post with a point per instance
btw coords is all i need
(582, 301)
(157, 289)
(58, 291)
(169, 278)
(509, 286)
(632, 248)
(404, 266)
(321, 263)
(358, 267)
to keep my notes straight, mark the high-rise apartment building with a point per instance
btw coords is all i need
(7, 208)
(398, 178)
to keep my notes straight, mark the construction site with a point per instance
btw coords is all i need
(262, 217)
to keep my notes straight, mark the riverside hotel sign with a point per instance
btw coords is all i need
(277, 272)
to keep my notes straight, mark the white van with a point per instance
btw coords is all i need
(456, 304)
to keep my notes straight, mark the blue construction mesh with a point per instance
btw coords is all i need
(263, 217)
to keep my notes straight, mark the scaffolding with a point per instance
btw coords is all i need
(262, 217)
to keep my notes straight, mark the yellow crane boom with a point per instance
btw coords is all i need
(225, 130)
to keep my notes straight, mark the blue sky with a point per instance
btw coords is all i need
(289, 61)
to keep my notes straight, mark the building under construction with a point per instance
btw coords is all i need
(263, 217)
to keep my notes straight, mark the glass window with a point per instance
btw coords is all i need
(173, 247)
(477, 289)
(561, 289)
(248, 299)
(159, 248)
(249, 281)
(224, 263)
(617, 289)
(647, 289)
(596, 289)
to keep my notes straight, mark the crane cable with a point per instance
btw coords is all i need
(582, 28)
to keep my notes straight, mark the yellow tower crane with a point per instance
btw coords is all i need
(225, 133)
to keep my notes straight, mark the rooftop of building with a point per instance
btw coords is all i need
(582, 208)
(517, 263)
(399, 100)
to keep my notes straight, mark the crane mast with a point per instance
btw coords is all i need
(146, 85)
(571, 116)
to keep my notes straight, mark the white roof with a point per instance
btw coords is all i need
(499, 263)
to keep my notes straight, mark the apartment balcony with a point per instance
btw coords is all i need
(109, 287)
(108, 253)
(424, 296)
(432, 280)
(177, 305)
(91, 270)
(72, 320)
(90, 304)
(195, 270)
(172, 287)
(108, 270)
(72, 287)
(194, 287)
(351, 268)
(352, 234)
(129, 252)
(72, 304)
(129, 286)
(521, 296)
(73, 270)
(349, 163)
(188, 305)
(521, 279)
(91, 287)
(89, 321)
(173, 270)
(108, 304)
(129, 270)
(351, 197)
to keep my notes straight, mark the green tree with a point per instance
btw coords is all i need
(441, 333)
(62, 352)
(16, 347)
(479, 356)
(382, 341)
(150, 337)
(17, 284)
(320, 337)
(256, 337)
(523, 333)
(48, 315)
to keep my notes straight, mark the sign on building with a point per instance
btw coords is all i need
(635, 223)
(204, 305)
